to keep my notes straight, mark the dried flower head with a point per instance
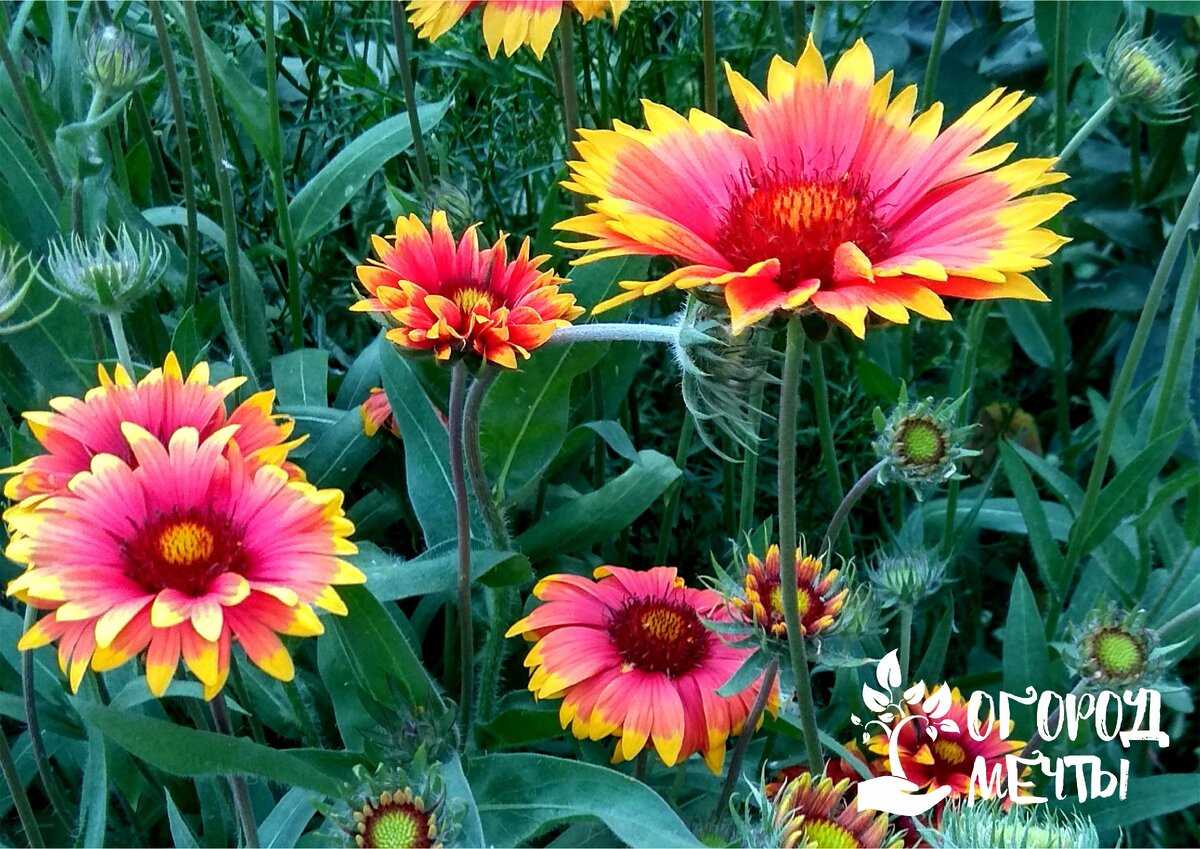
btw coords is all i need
(988, 823)
(722, 378)
(1145, 77)
(108, 273)
(906, 578)
(112, 61)
(1114, 648)
(920, 444)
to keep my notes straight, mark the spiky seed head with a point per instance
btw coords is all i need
(906, 578)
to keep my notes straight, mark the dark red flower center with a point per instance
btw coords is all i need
(660, 635)
(800, 222)
(184, 551)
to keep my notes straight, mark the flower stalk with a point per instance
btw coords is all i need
(833, 477)
(1058, 336)
(237, 783)
(117, 327)
(797, 651)
(964, 376)
(400, 34)
(570, 97)
(709, 36)
(466, 629)
(852, 497)
(734, 770)
(934, 62)
(17, 791)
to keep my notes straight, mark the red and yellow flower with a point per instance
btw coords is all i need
(179, 551)
(819, 594)
(836, 200)
(453, 298)
(815, 811)
(508, 22)
(75, 430)
(630, 657)
(946, 761)
(376, 412)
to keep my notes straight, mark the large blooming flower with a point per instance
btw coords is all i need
(947, 760)
(448, 298)
(837, 200)
(630, 656)
(181, 553)
(508, 22)
(161, 402)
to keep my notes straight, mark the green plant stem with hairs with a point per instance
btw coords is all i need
(906, 627)
(797, 650)
(1058, 334)
(117, 327)
(1121, 388)
(749, 482)
(16, 791)
(94, 109)
(570, 98)
(833, 478)
(400, 35)
(237, 783)
(216, 149)
(963, 377)
(734, 770)
(851, 498)
(462, 515)
(282, 213)
(175, 96)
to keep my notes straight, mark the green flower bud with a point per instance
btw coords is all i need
(1144, 76)
(1116, 649)
(906, 579)
(112, 61)
(920, 444)
(108, 273)
(986, 823)
(394, 808)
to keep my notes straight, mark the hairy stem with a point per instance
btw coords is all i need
(734, 771)
(851, 498)
(964, 374)
(466, 635)
(833, 478)
(237, 783)
(1058, 337)
(400, 34)
(935, 54)
(906, 624)
(666, 526)
(117, 327)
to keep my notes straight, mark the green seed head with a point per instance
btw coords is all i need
(1113, 648)
(920, 441)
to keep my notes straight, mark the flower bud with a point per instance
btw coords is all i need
(389, 809)
(920, 445)
(112, 61)
(1145, 77)
(108, 273)
(906, 579)
(17, 274)
(1115, 649)
(987, 823)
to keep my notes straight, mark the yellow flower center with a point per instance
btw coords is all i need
(185, 543)
(920, 441)
(469, 299)
(827, 834)
(662, 624)
(949, 752)
(396, 828)
(1118, 653)
(803, 600)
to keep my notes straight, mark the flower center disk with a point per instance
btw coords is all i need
(827, 833)
(397, 827)
(800, 222)
(183, 551)
(1118, 653)
(659, 635)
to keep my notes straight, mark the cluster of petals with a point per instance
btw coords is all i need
(508, 22)
(836, 199)
(819, 594)
(454, 297)
(818, 811)
(158, 524)
(630, 656)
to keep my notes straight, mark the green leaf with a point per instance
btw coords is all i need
(1149, 796)
(745, 675)
(188, 752)
(1045, 551)
(284, 825)
(181, 832)
(246, 100)
(600, 515)
(436, 571)
(1125, 494)
(185, 341)
(526, 412)
(935, 655)
(301, 377)
(459, 789)
(59, 345)
(1089, 29)
(361, 377)
(520, 796)
(998, 514)
(315, 206)
(379, 652)
(93, 798)
(1068, 492)
(426, 452)
(1028, 331)
(1026, 656)
(340, 452)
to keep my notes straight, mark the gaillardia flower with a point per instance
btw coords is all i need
(458, 299)
(812, 811)
(508, 22)
(376, 412)
(837, 200)
(1113, 649)
(180, 553)
(75, 430)
(947, 760)
(819, 593)
(629, 655)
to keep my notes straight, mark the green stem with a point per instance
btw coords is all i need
(122, 344)
(185, 149)
(833, 478)
(1135, 159)
(458, 385)
(1058, 336)
(709, 35)
(1070, 148)
(1176, 343)
(1124, 383)
(41, 144)
(666, 526)
(935, 54)
(37, 746)
(749, 484)
(906, 623)
(400, 33)
(17, 790)
(964, 374)
(799, 25)
(570, 99)
(286, 234)
(788, 397)
(734, 771)
(216, 144)
(852, 497)
(237, 783)
(94, 109)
